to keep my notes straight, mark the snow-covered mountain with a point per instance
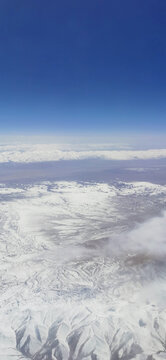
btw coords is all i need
(83, 272)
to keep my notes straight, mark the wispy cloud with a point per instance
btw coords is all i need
(146, 241)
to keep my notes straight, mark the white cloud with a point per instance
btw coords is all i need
(147, 241)
(52, 152)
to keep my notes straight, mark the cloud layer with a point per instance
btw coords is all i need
(52, 152)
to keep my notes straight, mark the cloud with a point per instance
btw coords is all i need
(147, 241)
(52, 152)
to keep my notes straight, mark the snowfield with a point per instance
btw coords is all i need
(83, 273)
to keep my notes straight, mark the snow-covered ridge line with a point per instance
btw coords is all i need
(81, 277)
(51, 152)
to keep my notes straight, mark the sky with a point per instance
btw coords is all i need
(87, 66)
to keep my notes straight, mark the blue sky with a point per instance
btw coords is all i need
(83, 66)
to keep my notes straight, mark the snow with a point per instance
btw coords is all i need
(80, 275)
